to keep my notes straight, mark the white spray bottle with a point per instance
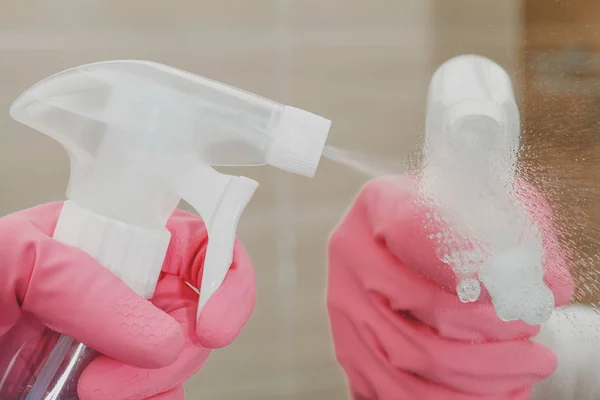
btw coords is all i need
(471, 148)
(140, 137)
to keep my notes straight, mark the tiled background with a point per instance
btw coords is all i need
(364, 65)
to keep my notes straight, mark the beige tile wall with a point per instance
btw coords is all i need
(365, 65)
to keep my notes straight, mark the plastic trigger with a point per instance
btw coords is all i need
(220, 200)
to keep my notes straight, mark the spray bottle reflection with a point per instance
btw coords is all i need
(480, 223)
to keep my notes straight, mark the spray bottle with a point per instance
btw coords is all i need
(470, 174)
(141, 136)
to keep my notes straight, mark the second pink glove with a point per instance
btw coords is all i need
(399, 329)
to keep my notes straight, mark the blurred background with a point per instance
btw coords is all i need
(365, 66)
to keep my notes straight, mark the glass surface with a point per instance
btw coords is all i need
(364, 65)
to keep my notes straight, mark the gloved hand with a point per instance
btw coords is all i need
(399, 328)
(150, 348)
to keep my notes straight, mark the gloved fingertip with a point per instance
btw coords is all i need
(89, 386)
(167, 347)
(108, 379)
(147, 337)
(225, 315)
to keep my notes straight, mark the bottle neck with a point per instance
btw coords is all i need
(133, 253)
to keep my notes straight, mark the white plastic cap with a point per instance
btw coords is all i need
(133, 253)
(299, 141)
(472, 87)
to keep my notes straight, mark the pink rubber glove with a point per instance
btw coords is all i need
(150, 348)
(400, 331)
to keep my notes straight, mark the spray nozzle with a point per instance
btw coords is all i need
(298, 142)
(142, 135)
(475, 133)
(471, 103)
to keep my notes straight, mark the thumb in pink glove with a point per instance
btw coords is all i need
(399, 328)
(150, 348)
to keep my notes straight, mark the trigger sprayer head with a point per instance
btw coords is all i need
(142, 135)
